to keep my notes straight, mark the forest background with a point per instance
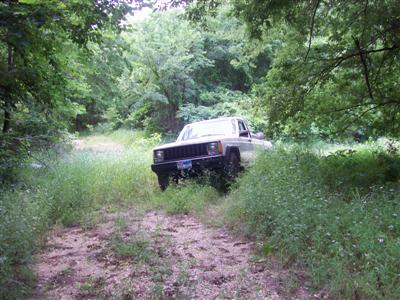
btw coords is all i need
(303, 72)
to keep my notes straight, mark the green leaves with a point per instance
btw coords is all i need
(336, 67)
(38, 43)
(185, 72)
(30, 1)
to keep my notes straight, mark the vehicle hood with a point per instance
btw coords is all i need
(206, 139)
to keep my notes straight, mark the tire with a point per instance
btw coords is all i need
(232, 167)
(163, 181)
(223, 179)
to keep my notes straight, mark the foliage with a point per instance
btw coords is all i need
(101, 69)
(165, 59)
(42, 70)
(175, 68)
(337, 214)
(337, 66)
(34, 38)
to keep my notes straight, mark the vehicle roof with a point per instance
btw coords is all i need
(216, 119)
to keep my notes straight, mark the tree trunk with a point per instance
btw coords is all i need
(7, 106)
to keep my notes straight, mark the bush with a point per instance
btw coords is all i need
(13, 152)
(24, 217)
(360, 168)
(336, 214)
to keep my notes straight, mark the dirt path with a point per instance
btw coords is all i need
(152, 255)
(97, 144)
(156, 256)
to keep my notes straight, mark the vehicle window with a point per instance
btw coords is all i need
(213, 128)
(241, 126)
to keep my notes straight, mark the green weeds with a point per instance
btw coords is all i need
(93, 287)
(186, 197)
(339, 215)
(333, 210)
(137, 248)
(73, 189)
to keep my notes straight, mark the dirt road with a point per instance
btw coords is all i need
(152, 255)
(171, 257)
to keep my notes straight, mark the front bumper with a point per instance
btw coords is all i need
(198, 163)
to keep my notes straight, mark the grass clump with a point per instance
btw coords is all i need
(23, 220)
(339, 215)
(136, 248)
(187, 197)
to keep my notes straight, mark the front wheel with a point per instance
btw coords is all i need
(163, 181)
(232, 167)
(222, 180)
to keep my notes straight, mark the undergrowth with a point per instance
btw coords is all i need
(75, 188)
(187, 197)
(68, 191)
(333, 212)
(338, 215)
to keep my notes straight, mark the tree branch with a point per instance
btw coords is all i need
(364, 52)
(312, 28)
(364, 104)
(365, 67)
(357, 117)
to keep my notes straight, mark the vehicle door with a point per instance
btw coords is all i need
(245, 142)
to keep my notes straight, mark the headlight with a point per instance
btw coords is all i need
(158, 155)
(214, 148)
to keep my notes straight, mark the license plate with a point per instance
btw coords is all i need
(184, 164)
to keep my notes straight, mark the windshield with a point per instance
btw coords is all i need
(213, 128)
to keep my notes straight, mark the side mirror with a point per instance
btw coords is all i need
(260, 136)
(244, 133)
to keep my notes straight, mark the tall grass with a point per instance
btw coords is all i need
(73, 189)
(338, 215)
(187, 197)
(335, 212)
(69, 191)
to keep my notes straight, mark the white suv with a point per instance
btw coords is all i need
(223, 145)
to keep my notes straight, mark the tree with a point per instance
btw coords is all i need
(32, 34)
(177, 67)
(339, 64)
(165, 53)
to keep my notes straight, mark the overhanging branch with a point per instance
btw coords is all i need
(365, 67)
(312, 28)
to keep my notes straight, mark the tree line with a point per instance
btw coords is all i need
(293, 68)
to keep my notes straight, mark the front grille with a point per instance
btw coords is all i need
(187, 151)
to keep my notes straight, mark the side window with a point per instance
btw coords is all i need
(242, 127)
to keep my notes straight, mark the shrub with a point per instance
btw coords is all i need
(338, 215)
(23, 219)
